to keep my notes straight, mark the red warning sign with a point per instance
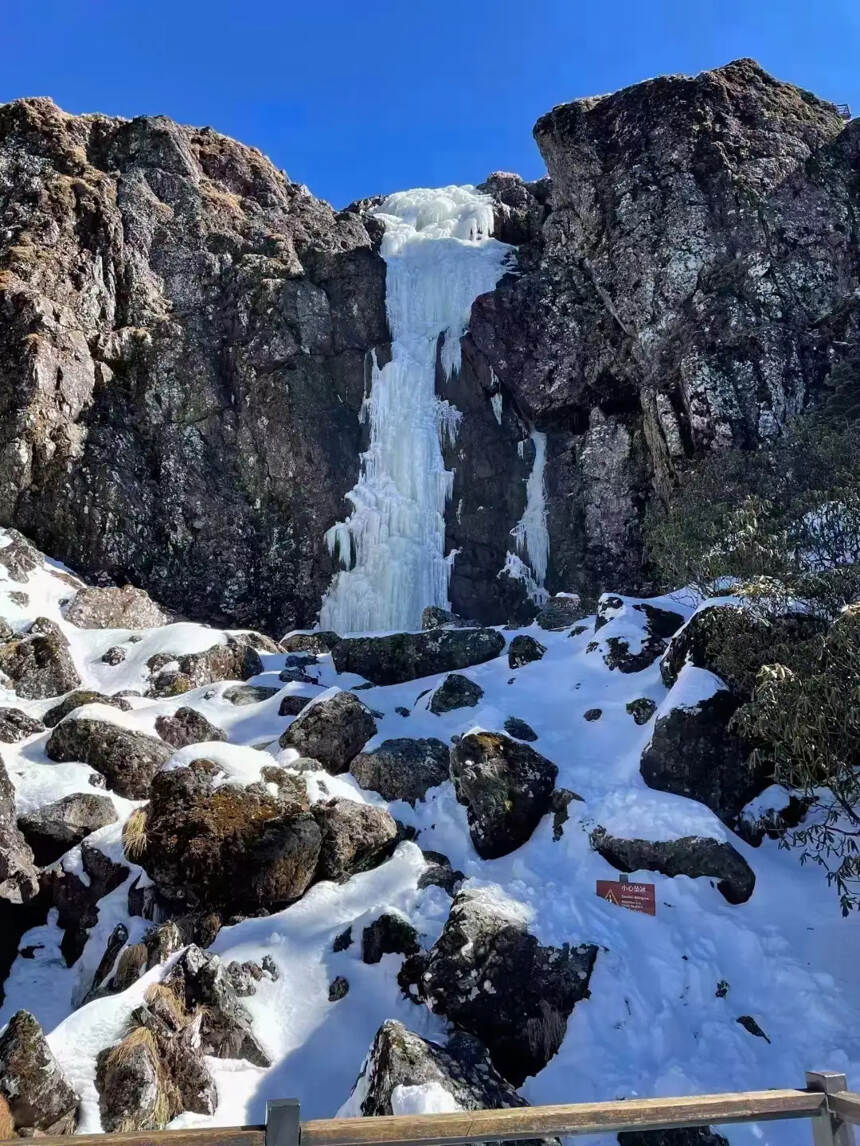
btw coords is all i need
(635, 896)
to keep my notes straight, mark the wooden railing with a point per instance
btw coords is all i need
(832, 1109)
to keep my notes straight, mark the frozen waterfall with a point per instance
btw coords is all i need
(439, 257)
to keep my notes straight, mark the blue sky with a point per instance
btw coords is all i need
(355, 97)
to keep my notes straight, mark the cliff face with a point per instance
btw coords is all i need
(185, 335)
(690, 289)
(183, 345)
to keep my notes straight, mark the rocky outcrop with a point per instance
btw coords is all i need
(692, 752)
(39, 665)
(506, 787)
(39, 1099)
(19, 880)
(77, 699)
(76, 894)
(187, 726)
(237, 658)
(693, 856)
(115, 608)
(389, 934)
(402, 769)
(408, 656)
(400, 1060)
(489, 976)
(523, 650)
(54, 828)
(455, 691)
(209, 846)
(183, 356)
(127, 759)
(333, 731)
(690, 288)
(16, 725)
(353, 837)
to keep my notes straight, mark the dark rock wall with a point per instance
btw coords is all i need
(184, 336)
(689, 290)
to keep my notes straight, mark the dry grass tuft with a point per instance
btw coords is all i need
(134, 834)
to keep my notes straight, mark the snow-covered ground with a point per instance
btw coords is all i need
(654, 1024)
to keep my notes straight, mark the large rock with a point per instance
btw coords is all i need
(506, 787)
(455, 691)
(39, 1098)
(408, 656)
(693, 856)
(693, 753)
(188, 420)
(354, 837)
(76, 894)
(402, 769)
(40, 665)
(524, 649)
(115, 608)
(78, 699)
(127, 759)
(54, 828)
(16, 725)
(489, 976)
(561, 612)
(236, 658)
(133, 1091)
(640, 330)
(187, 726)
(208, 845)
(19, 879)
(400, 1065)
(201, 981)
(333, 731)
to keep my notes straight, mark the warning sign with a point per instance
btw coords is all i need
(636, 896)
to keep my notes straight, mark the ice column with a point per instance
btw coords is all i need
(530, 534)
(439, 257)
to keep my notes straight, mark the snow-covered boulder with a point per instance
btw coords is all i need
(16, 725)
(402, 769)
(213, 845)
(560, 612)
(39, 1098)
(406, 1074)
(128, 759)
(693, 753)
(408, 656)
(237, 658)
(115, 608)
(693, 856)
(333, 730)
(40, 664)
(455, 691)
(78, 699)
(187, 726)
(354, 837)
(488, 975)
(54, 828)
(506, 787)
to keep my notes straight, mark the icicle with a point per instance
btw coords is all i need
(439, 257)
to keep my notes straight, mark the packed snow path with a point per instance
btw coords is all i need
(439, 257)
(666, 992)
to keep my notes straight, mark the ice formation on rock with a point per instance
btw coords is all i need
(530, 533)
(440, 256)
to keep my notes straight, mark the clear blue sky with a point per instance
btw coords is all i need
(355, 97)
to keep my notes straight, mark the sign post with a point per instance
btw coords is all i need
(634, 896)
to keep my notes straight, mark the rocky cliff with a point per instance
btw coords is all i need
(184, 335)
(185, 338)
(691, 287)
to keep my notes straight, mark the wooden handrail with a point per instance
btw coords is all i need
(845, 1104)
(511, 1124)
